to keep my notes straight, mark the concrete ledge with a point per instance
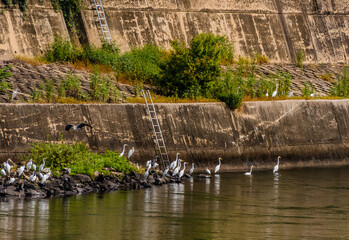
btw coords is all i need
(303, 132)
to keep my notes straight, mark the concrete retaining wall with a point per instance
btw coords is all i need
(303, 132)
(30, 32)
(275, 28)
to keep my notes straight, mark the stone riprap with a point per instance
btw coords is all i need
(302, 132)
(68, 185)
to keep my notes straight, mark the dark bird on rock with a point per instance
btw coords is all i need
(79, 127)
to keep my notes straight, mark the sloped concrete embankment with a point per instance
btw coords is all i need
(303, 132)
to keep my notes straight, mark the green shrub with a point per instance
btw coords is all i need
(233, 100)
(102, 89)
(62, 50)
(71, 10)
(108, 54)
(307, 90)
(49, 90)
(78, 157)
(300, 59)
(191, 72)
(341, 86)
(4, 74)
(141, 64)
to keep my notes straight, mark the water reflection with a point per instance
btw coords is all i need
(300, 204)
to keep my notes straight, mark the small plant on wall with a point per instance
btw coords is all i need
(22, 4)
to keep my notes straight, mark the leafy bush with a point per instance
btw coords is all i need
(102, 89)
(191, 72)
(108, 54)
(300, 58)
(78, 157)
(4, 74)
(62, 50)
(141, 64)
(307, 90)
(71, 10)
(340, 88)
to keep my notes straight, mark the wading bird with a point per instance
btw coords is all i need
(11, 180)
(146, 174)
(79, 127)
(7, 167)
(123, 150)
(29, 164)
(290, 94)
(250, 172)
(165, 172)
(3, 172)
(276, 168)
(32, 177)
(181, 173)
(130, 152)
(148, 163)
(14, 94)
(192, 169)
(176, 171)
(34, 166)
(20, 170)
(218, 166)
(42, 165)
(174, 163)
(312, 95)
(208, 171)
(275, 92)
(267, 94)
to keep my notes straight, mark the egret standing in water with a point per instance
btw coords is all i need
(176, 171)
(123, 150)
(276, 168)
(192, 169)
(250, 172)
(181, 173)
(218, 166)
(208, 171)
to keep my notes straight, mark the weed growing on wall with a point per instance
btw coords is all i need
(22, 4)
(71, 10)
(4, 74)
(307, 90)
(102, 89)
(300, 59)
(341, 86)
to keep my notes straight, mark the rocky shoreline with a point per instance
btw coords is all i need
(69, 185)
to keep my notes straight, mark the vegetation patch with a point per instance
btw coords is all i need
(78, 157)
(4, 74)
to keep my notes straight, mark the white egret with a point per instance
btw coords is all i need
(276, 168)
(3, 172)
(146, 174)
(155, 165)
(29, 164)
(290, 94)
(174, 163)
(69, 171)
(267, 94)
(32, 177)
(20, 170)
(181, 173)
(42, 165)
(250, 172)
(218, 166)
(312, 95)
(148, 163)
(7, 167)
(166, 171)
(176, 171)
(41, 175)
(123, 150)
(130, 152)
(14, 94)
(275, 92)
(44, 178)
(192, 169)
(34, 166)
(11, 180)
(208, 171)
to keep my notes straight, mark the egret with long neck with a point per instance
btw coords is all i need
(276, 168)
(250, 172)
(181, 173)
(218, 166)
(123, 150)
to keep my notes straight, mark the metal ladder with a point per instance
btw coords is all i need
(103, 21)
(156, 128)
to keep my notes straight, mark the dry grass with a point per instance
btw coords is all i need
(34, 61)
(89, 67)
(163, 99)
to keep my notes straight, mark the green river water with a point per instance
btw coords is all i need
(310, 203)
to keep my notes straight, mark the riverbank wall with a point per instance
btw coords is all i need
(304, 133)
(278, 29)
